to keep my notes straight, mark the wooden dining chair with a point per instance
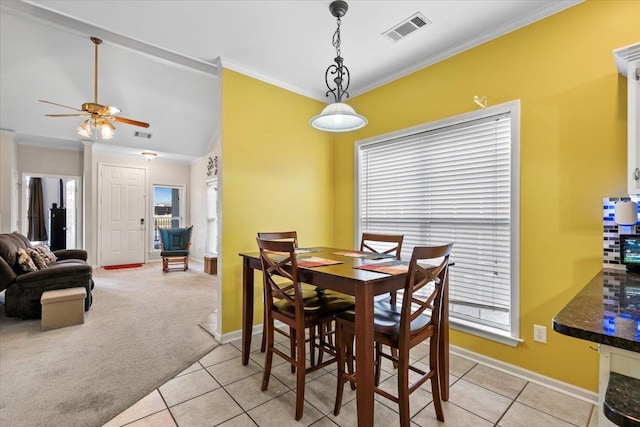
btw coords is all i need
(388, 244)
(420, 316)
(285, 302)
(307, 290)
(288, 236)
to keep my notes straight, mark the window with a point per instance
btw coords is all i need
(168, 209)
(212, 216)
(455, 180)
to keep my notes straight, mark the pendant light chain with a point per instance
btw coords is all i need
(338, 116)
(341, 72)
(336, 38)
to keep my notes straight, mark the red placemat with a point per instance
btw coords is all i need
(388, 267)
(316, 262)
(365, 255)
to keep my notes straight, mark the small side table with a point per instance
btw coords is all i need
(211, 264)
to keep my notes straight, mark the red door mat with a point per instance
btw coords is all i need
(117, 267)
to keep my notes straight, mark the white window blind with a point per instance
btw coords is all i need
(449, 184)
(212, 215)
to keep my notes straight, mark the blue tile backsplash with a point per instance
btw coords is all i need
(612, 231)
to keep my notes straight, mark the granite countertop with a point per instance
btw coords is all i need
(606, 311)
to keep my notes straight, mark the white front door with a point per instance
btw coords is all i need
(122, 207)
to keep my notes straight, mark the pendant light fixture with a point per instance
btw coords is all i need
(338, 116)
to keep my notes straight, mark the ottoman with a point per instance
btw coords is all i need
(62, 307)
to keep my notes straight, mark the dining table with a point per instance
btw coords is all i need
(347, 277)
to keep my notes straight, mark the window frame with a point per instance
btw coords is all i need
(212, 222)
(511, 337)
(181, 218)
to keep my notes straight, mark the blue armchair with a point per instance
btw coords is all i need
(175, 247)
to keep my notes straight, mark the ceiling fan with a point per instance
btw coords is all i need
(100, 116)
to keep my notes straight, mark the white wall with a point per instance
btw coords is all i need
(199, 180)
(159, 172)
(49, 161)
(8, 183)
(43, 161)
(169, 173)
(51, 164)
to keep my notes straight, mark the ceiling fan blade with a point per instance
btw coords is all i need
(67, 115)
(59, 105)
(129, 121)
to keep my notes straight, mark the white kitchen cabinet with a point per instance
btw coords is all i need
(628, 62)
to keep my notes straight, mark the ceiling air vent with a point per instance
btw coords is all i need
(144, 135)
(406, 27)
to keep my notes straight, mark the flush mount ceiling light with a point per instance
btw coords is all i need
(149, 155)
(338, 117)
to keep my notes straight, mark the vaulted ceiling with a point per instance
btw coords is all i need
(157, 62)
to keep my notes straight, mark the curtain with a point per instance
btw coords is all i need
(37, 231)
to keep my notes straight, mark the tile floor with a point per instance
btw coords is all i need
(219, 391)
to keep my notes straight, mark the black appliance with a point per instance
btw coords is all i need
(57, 228)
(58, 222)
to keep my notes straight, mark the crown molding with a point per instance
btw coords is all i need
(227, 63)
(49, 143)
(66, 23)
(50, 17)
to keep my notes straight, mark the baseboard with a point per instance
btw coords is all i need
(525, 374)
(533, 377)
(237, 335)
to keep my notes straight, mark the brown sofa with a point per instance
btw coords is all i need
(22, 290)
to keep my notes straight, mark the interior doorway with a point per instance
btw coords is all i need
(122, 207)
(60, 194)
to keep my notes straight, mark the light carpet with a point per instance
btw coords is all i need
(141, 331)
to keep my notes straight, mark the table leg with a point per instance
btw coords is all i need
(444, 349)
(247, 309)
(364, 356)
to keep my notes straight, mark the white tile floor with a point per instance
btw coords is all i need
(219, 391)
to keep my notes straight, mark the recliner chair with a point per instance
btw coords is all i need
(24, 289)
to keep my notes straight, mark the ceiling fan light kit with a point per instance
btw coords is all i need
(85, 129)
(100, 116)
(338, 117)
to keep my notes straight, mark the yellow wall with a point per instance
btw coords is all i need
(573, 153)
(276, 175)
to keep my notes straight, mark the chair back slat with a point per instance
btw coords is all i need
(274, 256)
(280, 235)
(425, 287)
(382, 244)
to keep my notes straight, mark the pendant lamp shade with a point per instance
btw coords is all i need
(338, 117)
